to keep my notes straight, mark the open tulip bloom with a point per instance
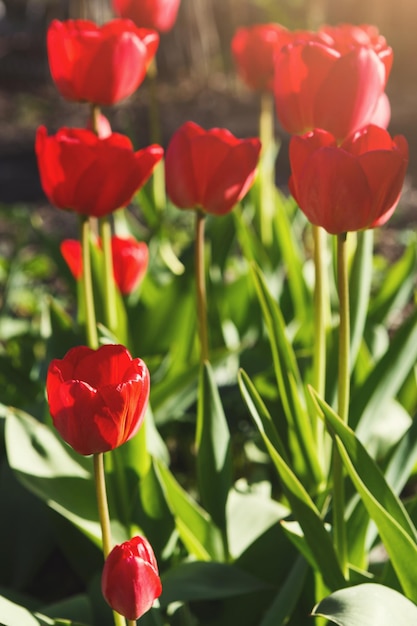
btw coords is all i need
(352, 186)
(100, 65)
(90, 175)
(333, 80)
(130, 580)
(209, 169)
(157, 14)
(97, 398)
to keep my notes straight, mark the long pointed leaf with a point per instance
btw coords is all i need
(214, 465)
(394, 524)
(304, 509)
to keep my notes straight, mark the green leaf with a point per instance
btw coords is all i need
(288, 595)
(195, 527)
(56, 474)
(214, 464)
(290, 386)
(394, 524)
(369, 604)
(302, 506)
(385, 379)
(205, 581)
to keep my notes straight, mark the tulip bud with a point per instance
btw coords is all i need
(130, 581)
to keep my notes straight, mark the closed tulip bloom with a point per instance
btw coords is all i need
(97, 398)
(333, 80)
(130, 261)
(254, 50)
(209, 169)
(130, 581)
(349, 187)
(91, 175)
(157, 14)
(101, 65)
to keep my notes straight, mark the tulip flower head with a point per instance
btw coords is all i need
(130, 261)
(254, 50)
(157, 14)
(130, 581)
(348, 187)
(334, 80)
(91, 175)
(100, 65)
(97, 398)
(209, 169)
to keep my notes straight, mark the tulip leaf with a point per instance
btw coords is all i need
(292, 257)
(206, 581)
(395, 527)
(56, 474)
(367, 605)
(290, 385)
(214, 467)
(397, 286)
(305, 511)
(385, 379)
(12, 614)
(194, 525)
(288, 595)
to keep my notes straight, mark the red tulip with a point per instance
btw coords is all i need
(349, 187)
(101, 65)
(97, 398)
(209, 169)
(254, 50)
(130, 581)
(157, 14)
(91, 175)
(332, 80)
(130, 261)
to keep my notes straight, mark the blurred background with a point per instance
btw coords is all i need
(196, 74)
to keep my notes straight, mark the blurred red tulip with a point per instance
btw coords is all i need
(157, 14)
(91, 175)
(254, 50)
(101, 65)
(130, 581)
(130, 261)
(97, 398)
(209, 169)
(349, 187)
(332, 80)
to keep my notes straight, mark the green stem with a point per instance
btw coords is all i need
(200, 275)
(344, 328)
(104, 517)
(343, 401)
(267, 168)
(95, 116)
(90, 315)
(108, 279)
(158, 176)
(320, 322)
(320, 327)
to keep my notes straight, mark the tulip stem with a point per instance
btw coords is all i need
(267, 168)
(108, 275)
(95, 116)
(320, 325)
(158, 175)
(343, 401)
(90, 315)
(104, 517)
(200, 274)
